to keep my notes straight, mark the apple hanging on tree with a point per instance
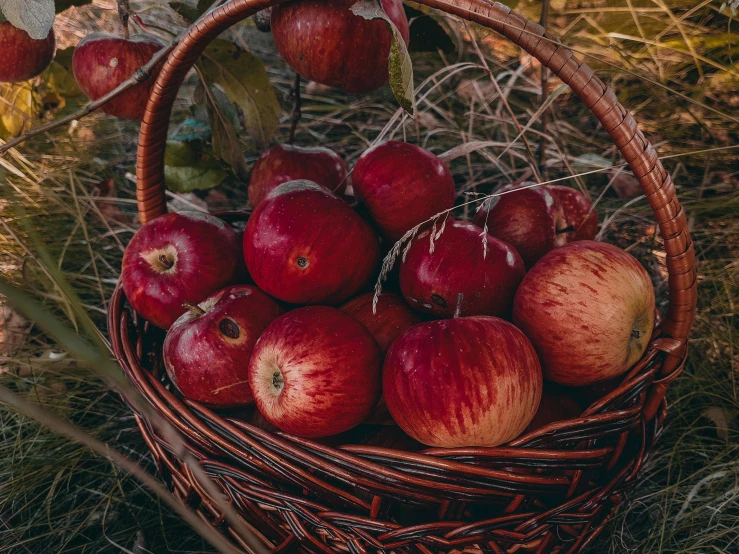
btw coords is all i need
(285, 162)
(324, 41)
(22, 57)
(101, 62)
(207, 350)
(178, 258)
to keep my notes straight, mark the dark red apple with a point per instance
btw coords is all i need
(315, 372)
(325, 42)
(530, 219)
(101, 62)
(469, 381)
(178, 258)
(579, 213)
(207, 350)
(387, 322)
(305, 245)
(588, 309)
(554, 406)
(284, 162)
(402, 185)
(486, 271)
(23, 57)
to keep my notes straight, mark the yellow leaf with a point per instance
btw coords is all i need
(18, 108)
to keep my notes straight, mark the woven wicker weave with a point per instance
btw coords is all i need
(552, 490)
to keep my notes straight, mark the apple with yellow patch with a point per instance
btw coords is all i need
(588, 309)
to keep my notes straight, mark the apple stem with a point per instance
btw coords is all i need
(544, 95)
(458, 309)
(124, 13)
(166, 262)
(193, 308)
(570, 229)
(297, 112)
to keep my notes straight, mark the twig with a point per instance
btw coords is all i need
(297, 113)
(139, 76)
(124, 13)
(544, 86)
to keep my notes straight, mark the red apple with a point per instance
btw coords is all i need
(178, 258)
(325, 42)
(554, 406)
(588, 309)
(101, 62)
(579, 213)
(22, 56)
(207, 350)
(315, 372)
(284, 162)
(484, 270)
(402, 185)
(470, 381)
(530, 219)
(390, 319)
(305, 245)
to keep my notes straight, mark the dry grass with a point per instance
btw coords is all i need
(671, 63)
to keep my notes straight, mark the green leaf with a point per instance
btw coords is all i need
(33, 16)
(427, 35)
(59, 77)
(188, 166)
(62, 5)
(243, 77)
(224, 121)
(399, 62)
(191, 10)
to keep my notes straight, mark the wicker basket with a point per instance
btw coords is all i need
(552, 490)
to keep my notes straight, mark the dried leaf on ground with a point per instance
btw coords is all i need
(13, 330)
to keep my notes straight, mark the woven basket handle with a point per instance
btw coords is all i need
(531, 37)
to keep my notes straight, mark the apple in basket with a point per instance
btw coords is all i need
(579, 213)
(555, 405)
(324, 41)
(461, 264)
(530, 218)
(23, 57)
(207, 350)
(402, 186)
(588, 309)
(178, 258)
(101, 62)
(469, 381)
(304, 245)
(315, 372)
(387, 322)
(285, 162)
